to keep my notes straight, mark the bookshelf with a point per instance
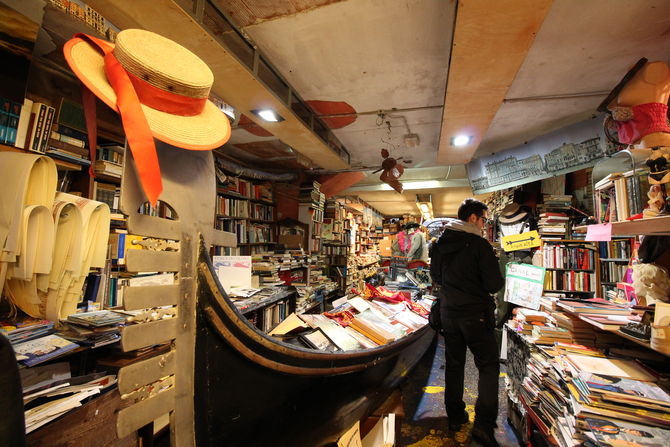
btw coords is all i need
(614, 258)
(311, 212)
(246, 208)
(571, 267)
(620, 185)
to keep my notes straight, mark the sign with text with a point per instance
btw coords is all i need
(524, 284)
(521, 241)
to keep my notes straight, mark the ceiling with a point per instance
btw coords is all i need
(504, 75)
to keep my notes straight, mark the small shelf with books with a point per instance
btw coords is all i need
(311, 212)
(245, 207)
(653, 226)
(571, 266)
(615, 257)
(620, 186)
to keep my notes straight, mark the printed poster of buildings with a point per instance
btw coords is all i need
(568, 149)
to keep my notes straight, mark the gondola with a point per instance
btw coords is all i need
(254, 390)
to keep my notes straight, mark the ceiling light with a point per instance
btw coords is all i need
(268, 115)
(424, 207)
(426, 216)
(461, 140)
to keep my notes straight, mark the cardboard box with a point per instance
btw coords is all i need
(291, 240)
(385, 245)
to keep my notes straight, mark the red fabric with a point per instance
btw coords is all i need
(647, 118)
(416, 264)
(129, 89)
(90, 113)
(403, 241)
(383, 293)
(168, 102)
(343, 318)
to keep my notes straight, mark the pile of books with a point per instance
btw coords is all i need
(94, 329)
(50, 391)
(577, 394)
(25, 329)
(553, 225)
(354, 324)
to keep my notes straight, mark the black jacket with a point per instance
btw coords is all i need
(467, 270)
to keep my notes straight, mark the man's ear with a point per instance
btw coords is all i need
(656, 72)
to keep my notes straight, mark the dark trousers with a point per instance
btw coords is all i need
(477, 333)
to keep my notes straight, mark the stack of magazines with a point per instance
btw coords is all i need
(50, 391)
(94, 329)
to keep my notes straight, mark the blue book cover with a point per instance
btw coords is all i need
(42, 349)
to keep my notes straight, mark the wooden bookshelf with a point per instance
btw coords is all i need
(653, 226)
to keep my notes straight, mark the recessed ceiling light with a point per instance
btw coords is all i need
(461, 140)
(424, 207)
(268, 115)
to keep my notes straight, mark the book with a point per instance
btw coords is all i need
(318, 340)
(628, 391)
(615, 432)
(40, 350)
(97, 318)
(624, 369)
(25, 329)
(24, 123)
(600, 307)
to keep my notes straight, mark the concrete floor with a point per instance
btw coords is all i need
(425, 421)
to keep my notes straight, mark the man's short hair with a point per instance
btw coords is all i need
(411, 225)
(471, 206)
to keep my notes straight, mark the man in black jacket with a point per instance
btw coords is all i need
(466, 270)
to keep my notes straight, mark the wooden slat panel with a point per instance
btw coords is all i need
(154, 226)
(141, 297)
(148, 334)
(145, 372)
(140, 414)
(152, 261)
(224, 238)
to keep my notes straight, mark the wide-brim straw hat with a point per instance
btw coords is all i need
(167, 66)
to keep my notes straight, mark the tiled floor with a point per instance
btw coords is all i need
(425, 421)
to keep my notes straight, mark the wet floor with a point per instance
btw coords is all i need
(425, 421)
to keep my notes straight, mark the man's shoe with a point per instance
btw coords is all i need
(455, 425)
(482, 437)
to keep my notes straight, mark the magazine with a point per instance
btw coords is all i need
(42, 349)
(613, 432)
(631, 390)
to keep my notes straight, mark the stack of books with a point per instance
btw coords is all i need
(553, 225)
(567, 385)
(49, 392)
(25, 329)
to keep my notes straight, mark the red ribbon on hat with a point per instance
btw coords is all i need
(131, 93)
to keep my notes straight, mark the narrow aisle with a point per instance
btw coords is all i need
(425, 421)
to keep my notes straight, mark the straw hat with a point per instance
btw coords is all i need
(173, 87)
(512, 214)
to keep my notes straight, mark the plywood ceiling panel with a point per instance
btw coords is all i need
(490, 44)
(583, 48)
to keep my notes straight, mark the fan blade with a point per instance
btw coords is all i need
(378, 170)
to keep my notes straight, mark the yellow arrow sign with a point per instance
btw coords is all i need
(520, 241)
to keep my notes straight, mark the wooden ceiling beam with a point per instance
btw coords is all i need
(491, 41)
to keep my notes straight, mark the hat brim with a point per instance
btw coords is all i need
(208, 130)
(515, 218)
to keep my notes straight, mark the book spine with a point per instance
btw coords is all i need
(23, 128)
(46, 129)
(40, 115)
